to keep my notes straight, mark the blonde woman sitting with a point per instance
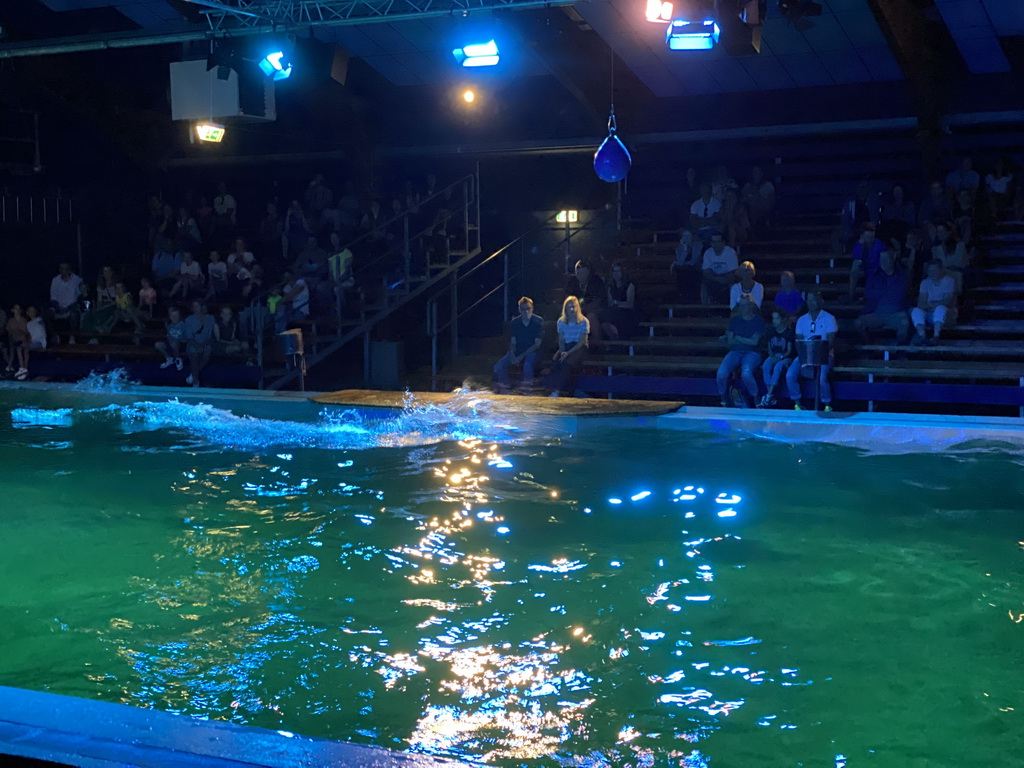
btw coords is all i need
(573, 335)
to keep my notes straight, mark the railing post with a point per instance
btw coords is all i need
(504, 299)
(432, 329)
(406, 251)
(366, 357)
(455, 313)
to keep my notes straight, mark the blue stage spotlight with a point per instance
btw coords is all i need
(686, 35)
(274, 65)
(477, 54)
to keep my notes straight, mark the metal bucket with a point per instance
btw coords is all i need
(290, 342)
(812, 351)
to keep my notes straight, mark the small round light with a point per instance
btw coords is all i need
(468, 96)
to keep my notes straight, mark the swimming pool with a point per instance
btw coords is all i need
(446, 582)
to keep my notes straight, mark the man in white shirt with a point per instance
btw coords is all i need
(224, 203)
(816, 324)
(294, 304)
(719, 271)
(934, 304)
(64, 290)
(705, 213)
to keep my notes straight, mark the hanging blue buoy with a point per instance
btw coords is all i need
(612, 160)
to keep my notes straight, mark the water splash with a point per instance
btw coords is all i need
(113, 381)
(466, 415)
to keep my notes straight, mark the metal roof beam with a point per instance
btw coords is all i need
(271, 16)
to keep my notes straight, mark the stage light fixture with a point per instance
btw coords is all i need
(571, 217)
(477, 54)
(275, 66)
(683, 35)
(659, 11)
(468, 96)
(210, 132)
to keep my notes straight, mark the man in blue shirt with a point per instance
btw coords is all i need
(886, 294)
(527, 333)
(165, 264)
(743, 337)
(865, 256)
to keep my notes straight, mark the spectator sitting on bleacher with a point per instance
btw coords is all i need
(296, 230)
(934, 208)
(64, 295)
(36, 330)
(240, 253)
(272, 235)
(187, 236)
(172, 346)
(935, 304)
(125, 311)
(164, 265)
(788, 298)
(106, 286)
(621, 319)
(705, 216)
(781, 348)
(591, 291)
(952, 253)
(735, 219)
(225, 207)
(861, 209)
(226, 333)
(686, 267)
(758, 197)
(743, 337)
(885, 292)
(746, 285)
(198, 341)
(998, 187)
(719, 271)
(816, 324)
(963, 216)
(294, 304)
(865, 256)
(17, 338)
(190, 277)
(311, 264)
(217, 277)
(526, 333)
(964, 177)
(147, 299)
(573, 339)
(897, 217)
(253, 284)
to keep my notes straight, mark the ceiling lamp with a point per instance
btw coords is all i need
(210, 132)
(683, 35)
(659, 11)
(477, 54)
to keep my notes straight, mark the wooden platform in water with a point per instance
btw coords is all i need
(546, 406)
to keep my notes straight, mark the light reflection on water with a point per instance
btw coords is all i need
(472, 598)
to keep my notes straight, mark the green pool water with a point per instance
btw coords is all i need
(389, 584)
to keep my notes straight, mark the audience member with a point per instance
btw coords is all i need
(963, 216)
(817, 324)
(952, 253)
(187, 236)
(64, 295)
(573, 338)
(147, 299)
(719, 271)
(705, 215)
(18, 339)
(865, 256)
(190, 277)
(591, 292)
(171, 347)
(861, 209)
(272, 240)
(106, 286)
(124, 310)
(239, 252)
(691, 187)
(781, 348)
(934, 208)
(964, 177)
(897, 217)
(226, 333)
(886, 305)
(746, 285)
(294, 304)
(198, 341)
(217, 277)
(758, 197)
(225, 207)
(788, 298)
(935, 304)
(36, 329)
(743, 337)
(526, 333)
(686, 267)
(998, 187)
(164, 265)
(621, 319)
(297, 230)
